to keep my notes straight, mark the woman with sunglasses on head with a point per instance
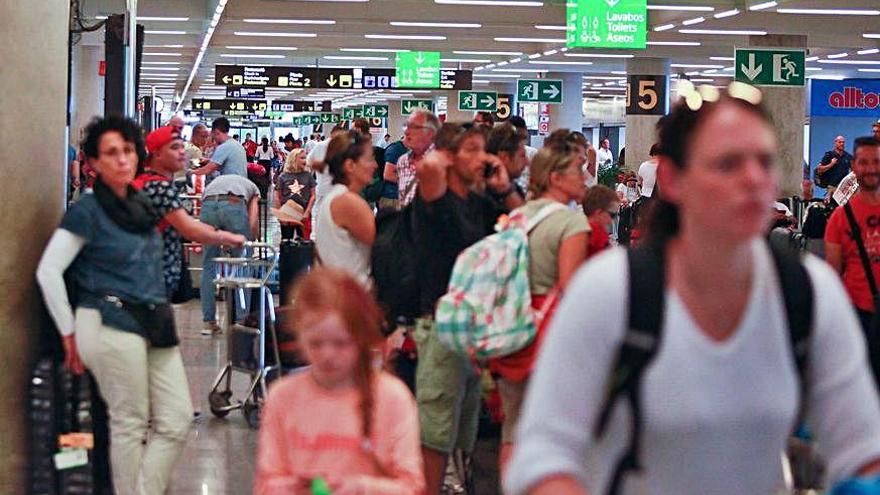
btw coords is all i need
(557, 247)
(715, 373)
(346, 227)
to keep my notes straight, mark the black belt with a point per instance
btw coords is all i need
(223, 197)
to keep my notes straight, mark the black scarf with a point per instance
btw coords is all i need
(133, 214)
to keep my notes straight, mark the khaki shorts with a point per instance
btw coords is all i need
(447, 393)
(512, 396)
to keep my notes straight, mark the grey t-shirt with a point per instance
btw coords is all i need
(231, 157)
(233, 184)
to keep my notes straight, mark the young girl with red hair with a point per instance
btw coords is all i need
(342, 422)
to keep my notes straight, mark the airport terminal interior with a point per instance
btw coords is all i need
(393, 247)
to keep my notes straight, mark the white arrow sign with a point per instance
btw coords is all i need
(488, 101)
(226, 79)
(751, 71)
(551, 90)
(420, 59)
(612, 3)
(382, 111)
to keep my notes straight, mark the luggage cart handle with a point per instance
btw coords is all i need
(271, 248)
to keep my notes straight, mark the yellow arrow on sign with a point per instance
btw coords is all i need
(331, 81)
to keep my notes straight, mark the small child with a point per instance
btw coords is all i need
(601, 206)
(342, 421)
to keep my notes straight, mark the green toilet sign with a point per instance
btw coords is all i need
(607, 24)
(418, 69)
(771, 66)
(480, 101)
(539, 90)
(407, 107)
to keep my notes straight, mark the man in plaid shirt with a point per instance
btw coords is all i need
(418, 136)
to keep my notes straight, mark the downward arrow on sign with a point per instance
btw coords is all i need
(551, 90)
(751, 71)
(612, 3)
(420, 59)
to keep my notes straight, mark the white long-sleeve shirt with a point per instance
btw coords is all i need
(716, 414)
(62, 249)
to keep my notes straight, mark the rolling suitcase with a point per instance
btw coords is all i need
(296, 258)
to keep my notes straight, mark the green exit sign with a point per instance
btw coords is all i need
(606, 24)
(771, 66)
(418, 69)
(407, 107)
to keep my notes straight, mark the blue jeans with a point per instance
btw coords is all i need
(225, 215)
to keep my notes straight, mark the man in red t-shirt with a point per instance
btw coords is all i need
(841, 250)
(250, 147)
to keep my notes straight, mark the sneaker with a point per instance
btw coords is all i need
(211, 328)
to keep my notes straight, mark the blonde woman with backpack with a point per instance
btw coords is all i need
(557, 247)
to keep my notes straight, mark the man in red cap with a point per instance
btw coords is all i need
(167, 156)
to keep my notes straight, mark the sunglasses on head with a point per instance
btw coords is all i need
(694, 97)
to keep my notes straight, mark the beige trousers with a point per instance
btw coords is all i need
(140, 384)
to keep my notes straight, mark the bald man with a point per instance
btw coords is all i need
(177, 123)
(834, 166)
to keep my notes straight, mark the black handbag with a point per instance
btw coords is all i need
(157, 320)
(184, 291)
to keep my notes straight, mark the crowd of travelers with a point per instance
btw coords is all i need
(676, 355)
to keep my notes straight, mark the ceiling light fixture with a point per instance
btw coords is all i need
(551, 27)
(249, 55)
(728, 32)
(276, 35)
(404, 37)
(209, 34)
(373, 50)
(348, 57)
(869, 70)
(871, 36)
(664, 27)
(467, 60)
(534, 56)
(157, 54)
(838, 55)
(723, 59)
(539, 71)
(491, 3)
(147, 62)
(865, 12)
(811, 59)
(600, 55)
(827, 77)
(513, 76)
(682, 8)
(529, 40)
(149, 31)
(869, 51)
(850, 62)
(550, 52)
(163, 46)
(696, 20)
(558, 62)
(726, 13)
(436, 24)
(291, 21)
(674, 43)
(272, 48)
(696, 66)
(763, 6)
(472, 52)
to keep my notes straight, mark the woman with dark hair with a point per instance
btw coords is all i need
(346, 227)
(265, 155)
(720, 391)
(120, 325)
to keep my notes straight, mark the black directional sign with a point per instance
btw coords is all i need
(231, 107)
(246, 93)
(327, 78)
(301, 106)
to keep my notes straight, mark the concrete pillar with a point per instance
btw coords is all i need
(641, 130)
(786, 106)
(568, 115)
(87, 100)
(453, 114)
(34, 82)
(395, 120)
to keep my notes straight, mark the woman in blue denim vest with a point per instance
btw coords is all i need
(120, 325)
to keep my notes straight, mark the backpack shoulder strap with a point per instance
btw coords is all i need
(543, 213)
(639, 347)
(797, 296)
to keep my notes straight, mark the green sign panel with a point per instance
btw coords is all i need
(478, 101)
(330, 118)
(539, 90)
(771, 66)
(407, 107)
(297, 121)
(348, 113)
(607, 24)
(311, 119)
(370, 111)
(418, 69)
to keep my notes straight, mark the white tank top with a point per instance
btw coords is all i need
(336, 246)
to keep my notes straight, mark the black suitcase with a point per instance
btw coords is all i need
(296, 257)
(59, 403)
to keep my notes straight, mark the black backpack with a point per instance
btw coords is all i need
(644, 334)
(394, 261)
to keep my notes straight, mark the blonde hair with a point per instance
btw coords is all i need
(547, 161)
(290, 161)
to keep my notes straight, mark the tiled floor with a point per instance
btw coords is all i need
(219, 455)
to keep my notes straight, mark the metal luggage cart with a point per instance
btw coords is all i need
(246, 346)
